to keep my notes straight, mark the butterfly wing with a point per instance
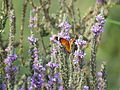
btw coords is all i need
(65, 43)
(71, 43)
(72, 40)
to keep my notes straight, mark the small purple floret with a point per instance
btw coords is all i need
(100, 19)
(61, 88)
(85, 88)
(32, 40)
(34, 10)
(10, 58)
(99, 74)
(32, 19)
(52, 65)
(80, 43)
(64, 25)
(80, 54)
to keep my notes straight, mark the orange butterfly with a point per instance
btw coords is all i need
(67, 44)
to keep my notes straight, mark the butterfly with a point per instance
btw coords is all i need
(67, 43)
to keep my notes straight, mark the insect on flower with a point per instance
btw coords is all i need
(66, 43)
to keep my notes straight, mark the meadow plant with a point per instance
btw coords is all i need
(57, 64)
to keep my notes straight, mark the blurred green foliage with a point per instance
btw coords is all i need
(109, 49)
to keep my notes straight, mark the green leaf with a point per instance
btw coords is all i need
(17, 62)
(25, 70)
(113, 21)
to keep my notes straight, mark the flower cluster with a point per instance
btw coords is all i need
(64, 26)
(98, 27)
(10, 69)
(2, 86)
(10, 59)
(78, 55)
(52, 65)
(80, 43)
(37, 79)
(36, 66)
(100, 19)
(33, 20)
(53, 78)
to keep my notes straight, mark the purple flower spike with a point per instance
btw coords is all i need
(10, 69)
(37, 81)
(98, 27)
